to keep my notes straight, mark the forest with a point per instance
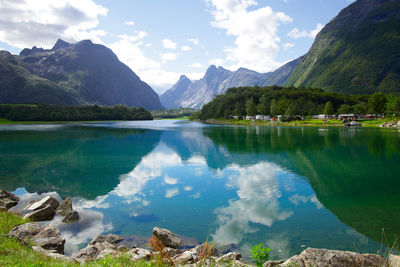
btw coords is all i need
(19, 112)
(275, 100)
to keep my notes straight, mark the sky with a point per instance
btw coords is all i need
(160, 40)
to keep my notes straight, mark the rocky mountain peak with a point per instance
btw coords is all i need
(60, 44)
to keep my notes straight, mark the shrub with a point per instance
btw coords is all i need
(259, 254)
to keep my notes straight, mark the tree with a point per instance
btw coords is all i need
(263, 107)
(377, 103)
(239, 109)
(393, 105)
(273, 107)
(329, 110)
(251, 107)
(345, 109)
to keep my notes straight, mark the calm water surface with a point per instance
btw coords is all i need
(288, 188)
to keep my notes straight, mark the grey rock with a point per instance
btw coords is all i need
(107, 252)
(44, 214)
(186, 257)
(65, 207)
(48, 238)
(7, 200)
(86, 254)
(123, 248)
(52, 253)
(140, 254)
(394, 260)
(111, 238)
(168, 238)
(71, 217)
(172, 252)
(230, 257)
(273, 263)
(333, 258)
(44, 202)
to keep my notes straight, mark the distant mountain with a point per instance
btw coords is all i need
(357, 52)
(194, 94)
(72, 74)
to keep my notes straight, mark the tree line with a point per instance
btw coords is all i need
(72, 113)
(275, 100)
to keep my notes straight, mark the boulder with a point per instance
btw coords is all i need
(111, 238)
(106, 252)
(186, 257)
(42, 210)
(168, 238)
(71, 217)
(46, 237)
(65, 207)
(44, 214)
(7, 200)
(89, 253)
(138, 254)
(273, 263)
(231, 256)
(51, 253)
(333, 258)
(394, 261)
(44, 202)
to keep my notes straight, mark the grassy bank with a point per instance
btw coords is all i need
(316, 123)
(15, 253)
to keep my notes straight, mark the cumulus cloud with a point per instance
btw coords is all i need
(171, 192)
(170, 180)
(186, 48)
(27, 23)
(216, 61)
(287, 46)
(165, 57)
(256, 43)
(194, 41)
(296, 33)
(258, 203)
(195, 65)
(167, 43)
(129, 23)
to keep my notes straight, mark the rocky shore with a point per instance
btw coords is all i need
(164, 246)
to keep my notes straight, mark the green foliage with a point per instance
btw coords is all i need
(282, 101)
(172, 113)
(329, 110)
(72, 113)
(393, 105)
(377, 103)
(259, 254)
(345, 109)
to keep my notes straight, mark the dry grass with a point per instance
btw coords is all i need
(206, 250)
(158, 246)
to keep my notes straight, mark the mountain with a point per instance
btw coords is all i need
(356, 52)
(194, 94)
(72, 74)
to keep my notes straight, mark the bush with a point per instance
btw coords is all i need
(259, 254)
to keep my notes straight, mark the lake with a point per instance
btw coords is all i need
(286, 187)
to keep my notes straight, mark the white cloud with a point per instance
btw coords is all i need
(195, 65)
(216, 61)
(172, 192)
(186, 48)
(170, 180)
(129, 23)
(296, 33)
(188, 188)
(27, 23)
(256, 43)
(194, 41)
(168, 56)
(287, 46)
(167, 43)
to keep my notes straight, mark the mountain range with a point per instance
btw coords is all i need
(72, 74)
(357, 52)
(194, 94)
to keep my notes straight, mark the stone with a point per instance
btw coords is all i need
(230, 257)
(44, 202)
(172, 251)
(186, 257)
(138, 254)
(394, 261)
(106, 252)
(123, 248)
(7, 200)
(44, 214)
(333, 258)
(273, 263)
(89, 253)
(168, 238)
(65, 207)
(71, 217)
(111, 238)
(48, 238)
(51, 253)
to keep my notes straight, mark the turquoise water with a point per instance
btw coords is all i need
(288, 188)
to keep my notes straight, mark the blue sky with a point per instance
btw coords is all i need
(162, 39)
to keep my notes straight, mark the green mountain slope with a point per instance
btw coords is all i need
(19, 85)
(357, 52)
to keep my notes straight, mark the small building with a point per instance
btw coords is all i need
(263, 117)
(350, 116)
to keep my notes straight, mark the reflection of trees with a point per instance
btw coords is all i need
(74, 161)
(354, 173)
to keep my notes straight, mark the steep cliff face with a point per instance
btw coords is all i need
(89, 73)
(357, 52)
(195, 94)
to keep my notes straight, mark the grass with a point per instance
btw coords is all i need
(15, 253)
